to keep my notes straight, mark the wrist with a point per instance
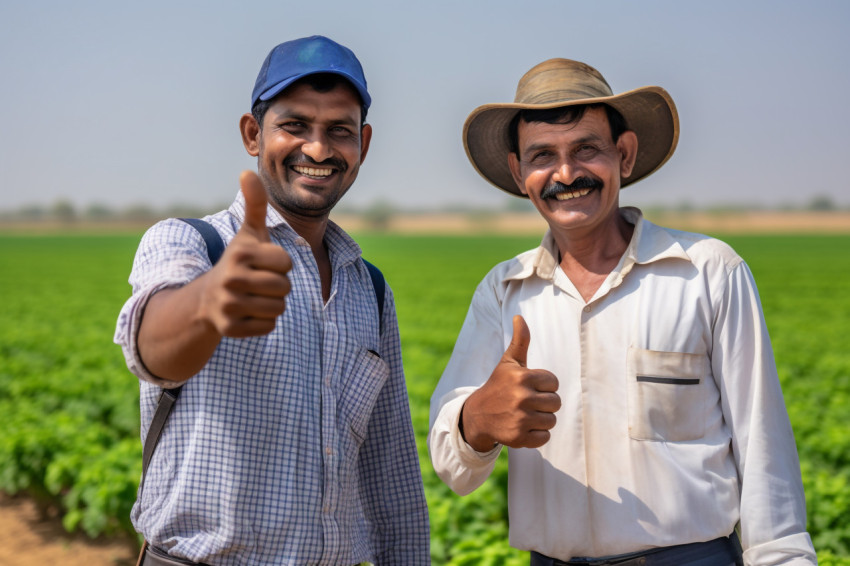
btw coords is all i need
(478, 441)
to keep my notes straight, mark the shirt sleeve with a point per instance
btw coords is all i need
(773, 508)
(170, 254)
(478, 349)
(389, 465)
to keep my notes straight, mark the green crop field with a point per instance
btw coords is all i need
(69, 407)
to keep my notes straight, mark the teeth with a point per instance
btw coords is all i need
(572, 194)
(313, 172)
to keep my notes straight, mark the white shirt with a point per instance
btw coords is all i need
(672, 427)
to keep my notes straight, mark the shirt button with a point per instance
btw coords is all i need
(329, 451)
(587, 308)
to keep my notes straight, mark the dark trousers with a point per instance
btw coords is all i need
(724, 551)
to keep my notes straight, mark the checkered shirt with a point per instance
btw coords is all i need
(290, 448)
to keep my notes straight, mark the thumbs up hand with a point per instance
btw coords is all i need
(516, 405)
(256, 205)
(246, 290)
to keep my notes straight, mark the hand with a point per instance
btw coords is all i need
(516, 405)
(246, 290)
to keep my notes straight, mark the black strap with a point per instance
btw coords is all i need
(163, 408)
(215, 245)
(168, 397)
(380, 290)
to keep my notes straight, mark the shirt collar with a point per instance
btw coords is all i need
(649, 243)
(341, 247)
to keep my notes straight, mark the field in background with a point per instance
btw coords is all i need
(528, 223)
(483, 222)
(70, 435)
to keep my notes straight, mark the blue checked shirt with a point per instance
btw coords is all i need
(290, 448)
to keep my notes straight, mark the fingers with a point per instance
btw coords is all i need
(256, 203)
(262, 256)
(518, 348)
(260, 283)
(534, 439)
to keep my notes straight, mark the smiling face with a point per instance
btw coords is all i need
(571, 172)
(309, 148)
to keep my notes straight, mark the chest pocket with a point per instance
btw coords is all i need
(360, 392)
(667, 397)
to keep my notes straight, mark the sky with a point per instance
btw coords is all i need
(137, 103)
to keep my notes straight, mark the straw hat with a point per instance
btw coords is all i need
(648, 111)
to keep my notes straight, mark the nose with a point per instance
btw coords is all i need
(567, 171)
(317, 147)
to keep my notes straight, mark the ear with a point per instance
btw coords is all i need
(513, 163)
(627, 145)
(365, 139)
(250, 130)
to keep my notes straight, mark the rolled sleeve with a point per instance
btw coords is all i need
(793, 550)
(460, 466)
(479, 347)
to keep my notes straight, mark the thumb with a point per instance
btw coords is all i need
(256, 203)
(518, 348)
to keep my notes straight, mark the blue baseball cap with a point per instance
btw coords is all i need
(298, 58)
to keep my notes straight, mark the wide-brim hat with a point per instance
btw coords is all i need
(649, 112)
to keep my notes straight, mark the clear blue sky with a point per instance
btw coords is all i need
(121, 103)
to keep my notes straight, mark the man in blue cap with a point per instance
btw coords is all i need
(291, 442)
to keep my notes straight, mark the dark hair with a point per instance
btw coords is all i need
(563, 115)
(320, 82)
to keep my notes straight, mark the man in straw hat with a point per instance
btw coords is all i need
(628, 366)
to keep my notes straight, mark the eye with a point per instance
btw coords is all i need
(340, 132)
(541, 157)
(586, 151)
(293, 126)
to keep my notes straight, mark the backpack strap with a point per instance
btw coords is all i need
(215, 245)
(380, 290)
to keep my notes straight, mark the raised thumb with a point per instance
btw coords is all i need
(518, 348)
(256, 203)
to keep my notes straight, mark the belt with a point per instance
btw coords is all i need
(726, 549)
(152, 556)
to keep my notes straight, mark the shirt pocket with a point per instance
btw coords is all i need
(666, 395)
(363, 384)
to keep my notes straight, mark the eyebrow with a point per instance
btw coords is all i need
(585, 139)
(295, 115)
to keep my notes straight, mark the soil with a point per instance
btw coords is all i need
(27, 539)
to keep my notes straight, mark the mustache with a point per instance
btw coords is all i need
(580, 183)
(307, 161)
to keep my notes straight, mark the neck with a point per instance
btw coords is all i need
(311, 229)
(588, 256)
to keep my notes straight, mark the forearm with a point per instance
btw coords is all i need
(175, 339)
